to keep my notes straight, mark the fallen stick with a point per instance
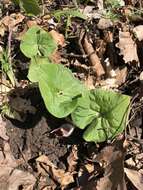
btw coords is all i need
(93, 58)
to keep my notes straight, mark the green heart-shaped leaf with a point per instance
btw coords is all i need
(59, 89)
(83, 115)
(105, 113)
(35, 68)
(30, 7)
(37, 41)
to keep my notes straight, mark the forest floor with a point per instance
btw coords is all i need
(101, 42)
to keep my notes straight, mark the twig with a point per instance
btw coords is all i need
(93, 58)
(75, 55)
(43, 7)
(2, 83)
(140, 141)
(9, 54)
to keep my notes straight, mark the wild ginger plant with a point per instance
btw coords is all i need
(103, 114)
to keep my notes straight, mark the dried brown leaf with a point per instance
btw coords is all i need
(130, 162)
(135, 177)
(104, 23)
(56, 57)
(138, 30)
(20, 178)
(2, 29)
(31, 23)
(11, 178)
(62, 177)
(4, 175)
(59, 38)
(72, 159)
(43, 185)
(128, 47)
(115, 77)
(112, 157)
(7, 1)
(141, 77)
(90, 186)
(90, 12)
(89, 82)
(100, 4)
(12, 20)
(90, 168)
(7, 160)
(107, 84)
(121, 75)
(3, 134)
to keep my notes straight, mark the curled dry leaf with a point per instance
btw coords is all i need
(56, 57)
(116, 78)
(89, 82)
(11, 178)
(72, 159)
(2, 29)
(31, 23)
(7, 160)
(141, 77)
(93, 58)
(130, 162)
(12, 20)
(42, 183)
(112, 157)
(100, 4)
(4, 175)
(138, 30)
(3, 134)
(89, 167)
(20, 178)
(121, 75)
(128, 47)
(5, 87)
(90, 12)
(59, 175)
(104, 23)
(109, 83)
(135, 177)
(6, 1)
(59, 38)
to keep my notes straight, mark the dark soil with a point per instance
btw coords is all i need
(36, 141)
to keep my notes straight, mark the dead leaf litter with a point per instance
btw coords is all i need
(101, 43)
